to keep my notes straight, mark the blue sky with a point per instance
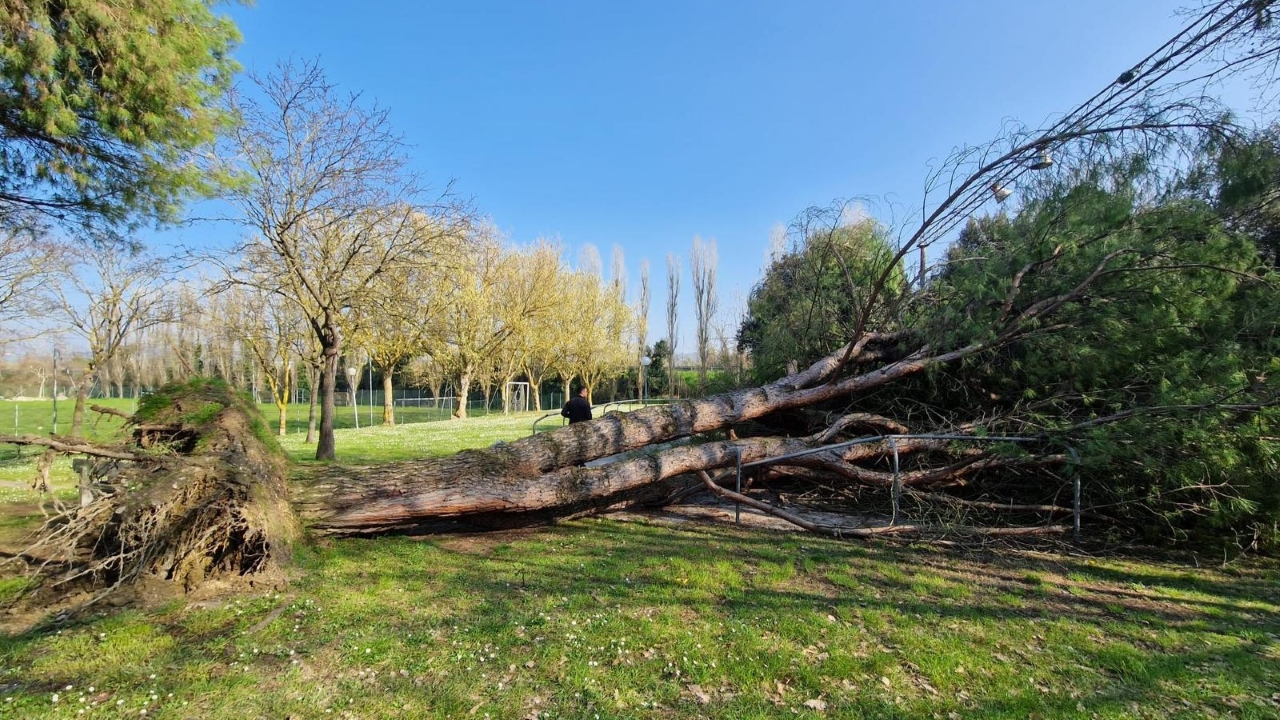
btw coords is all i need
(645, 124)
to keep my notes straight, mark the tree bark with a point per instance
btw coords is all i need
(82, 394)
(388, 399)
(313, 383)
(325, 448)
(464, 387)
(542, 476)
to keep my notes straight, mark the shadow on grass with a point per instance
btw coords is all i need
(759, 600)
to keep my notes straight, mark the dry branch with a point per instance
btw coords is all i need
(78, 447)
(111, 411)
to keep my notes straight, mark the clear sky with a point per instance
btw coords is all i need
(645, 124)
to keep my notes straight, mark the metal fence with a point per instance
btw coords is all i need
(896, 489)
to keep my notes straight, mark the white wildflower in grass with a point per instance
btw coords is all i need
(55, 697)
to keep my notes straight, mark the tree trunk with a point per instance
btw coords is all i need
(313, 381)
(506, 393)
(541, 476)
(388, 400)
(325, 449)
(464, 387)
(283, 410)
(82, 393)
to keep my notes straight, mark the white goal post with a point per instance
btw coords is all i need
(515, 397)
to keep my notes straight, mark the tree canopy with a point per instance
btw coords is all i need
(101, 104)
(810, 295)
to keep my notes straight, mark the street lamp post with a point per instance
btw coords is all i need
(352, 374)
(644, 376)
(370, 358)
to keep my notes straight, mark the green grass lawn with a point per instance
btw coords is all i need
(385, 443)
(418, 436)
(622, 620)
(609, 619)
(35, 417)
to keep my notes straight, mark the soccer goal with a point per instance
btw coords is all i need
(516, 397)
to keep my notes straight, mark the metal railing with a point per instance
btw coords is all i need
(896, 490)
(544, 417)
(604, 409)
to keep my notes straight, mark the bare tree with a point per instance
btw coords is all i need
(331, 206)
(618, 269)
(26, 261)
(589, 260)
(673, 315)
(107, 294)
(702, 266)
(642, 326)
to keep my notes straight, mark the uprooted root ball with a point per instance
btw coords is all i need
(212, 504)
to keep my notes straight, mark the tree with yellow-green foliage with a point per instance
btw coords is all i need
(527, 306)
(407, 306)
(600, 345)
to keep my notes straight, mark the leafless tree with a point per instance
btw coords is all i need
(106, 295)
(27, 260)
(618, 269)
(331, 206)
(702, 266)
(642, 325)
(673, 316)
(589, 260)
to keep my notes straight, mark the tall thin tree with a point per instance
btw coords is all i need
(673, 315)
(702, 266)
(642, 326)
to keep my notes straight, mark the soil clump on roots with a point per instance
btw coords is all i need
(203, 509)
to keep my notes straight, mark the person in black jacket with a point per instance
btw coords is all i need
(577, 409)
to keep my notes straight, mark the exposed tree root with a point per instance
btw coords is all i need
(218, 510)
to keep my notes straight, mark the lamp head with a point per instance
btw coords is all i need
(1045, 162)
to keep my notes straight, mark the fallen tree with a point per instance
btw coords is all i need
(1136, 322)
(544, 476)
(1116, 266)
